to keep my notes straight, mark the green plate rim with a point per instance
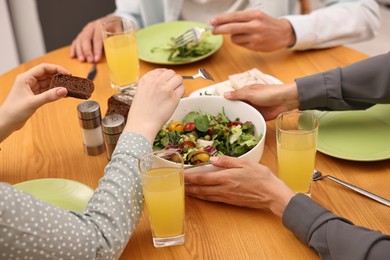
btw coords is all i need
(22, 187)
(166, 31)
(373, 112)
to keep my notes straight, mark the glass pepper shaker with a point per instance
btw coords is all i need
(112, 126)
(90, 123)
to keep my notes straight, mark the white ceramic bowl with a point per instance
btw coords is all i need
(233, 109)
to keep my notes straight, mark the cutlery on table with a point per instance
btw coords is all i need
(202, 73)
(318, 176)
(192, 35)
(92, 72)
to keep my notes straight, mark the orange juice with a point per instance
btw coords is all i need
(122, 59)
(164, 197)
(296, 158)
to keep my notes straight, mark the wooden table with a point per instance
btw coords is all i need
(50, 145)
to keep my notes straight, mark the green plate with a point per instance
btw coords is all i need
(356, 135)
(66, 194)
(158, 35)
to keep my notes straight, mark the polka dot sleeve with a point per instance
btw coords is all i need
(32, 229)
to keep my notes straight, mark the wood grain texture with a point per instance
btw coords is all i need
(50, 145)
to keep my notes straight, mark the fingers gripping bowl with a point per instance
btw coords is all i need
(234, 110)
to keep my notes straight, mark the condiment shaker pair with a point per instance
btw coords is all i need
(97, 133)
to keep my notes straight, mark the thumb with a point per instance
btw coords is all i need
(50, 95)
(239, 94)
(227, 162)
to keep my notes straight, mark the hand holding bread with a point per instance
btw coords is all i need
(30, 91)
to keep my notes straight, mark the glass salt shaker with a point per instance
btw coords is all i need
(112, 126)
(90, 123)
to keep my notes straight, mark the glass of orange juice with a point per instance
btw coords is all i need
(296, 136)
(162, 176)
(120, 46)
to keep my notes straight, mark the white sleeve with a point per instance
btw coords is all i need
(341, 23)
(129, 9)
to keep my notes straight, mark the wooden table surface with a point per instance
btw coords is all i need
(50, 145)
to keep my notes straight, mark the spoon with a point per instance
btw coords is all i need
(318, 176)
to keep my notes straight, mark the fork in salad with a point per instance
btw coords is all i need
(192, 35)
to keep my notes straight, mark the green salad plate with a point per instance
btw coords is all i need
(64, 193)
(153, 40)
(362, 135)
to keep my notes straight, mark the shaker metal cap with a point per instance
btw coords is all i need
(88, 110)
(113, 124)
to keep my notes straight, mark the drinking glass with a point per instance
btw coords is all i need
(120, 46)
(162, 176)
(296, 137)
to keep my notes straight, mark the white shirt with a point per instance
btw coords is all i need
(341, 22)
(203, 10)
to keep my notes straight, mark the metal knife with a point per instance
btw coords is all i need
(92, 72)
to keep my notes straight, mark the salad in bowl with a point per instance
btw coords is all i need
(202, 127)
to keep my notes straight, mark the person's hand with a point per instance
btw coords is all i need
(88, 45)
(158, 94)
(241, 183)
(255, 30)
(29, 92)
(270, 100)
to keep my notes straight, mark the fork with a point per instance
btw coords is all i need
(318, 176)
(202, 73)
(192, 35)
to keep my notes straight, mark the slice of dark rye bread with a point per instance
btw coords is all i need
(119, 104)
(77, 87)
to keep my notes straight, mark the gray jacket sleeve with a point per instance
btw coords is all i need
(331, 236)
(354, 87)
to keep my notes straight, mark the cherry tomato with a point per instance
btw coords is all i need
(188, 127)
(187, 144)
(179, 128)
(200, 156)
(235, 123)
(175, 126)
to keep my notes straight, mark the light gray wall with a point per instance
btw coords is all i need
(23, 40)
(8, 52)
(27, 30)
